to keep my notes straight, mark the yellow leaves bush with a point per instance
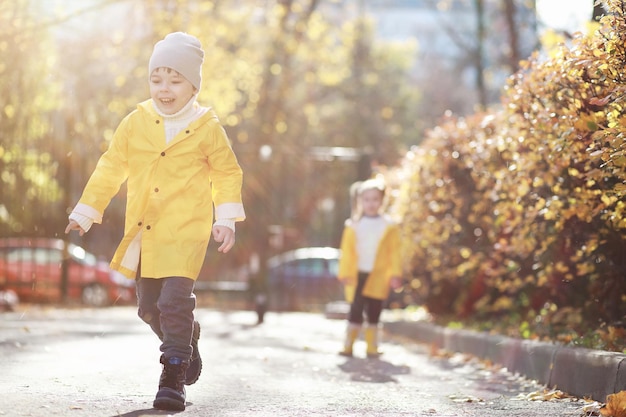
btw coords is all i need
(523, 206)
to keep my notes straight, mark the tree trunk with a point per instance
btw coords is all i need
(478, 58)
(598, 11)
(510, 13)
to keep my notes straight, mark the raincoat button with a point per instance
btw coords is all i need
(158, 121)
(162, 153)
(187, 131)
(148, 227)
(139, 224)
(156, 190)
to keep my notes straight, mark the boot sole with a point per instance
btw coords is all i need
(168, 404)
(168, 399)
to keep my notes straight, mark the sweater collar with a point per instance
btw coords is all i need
(185, 113)
(148, 108)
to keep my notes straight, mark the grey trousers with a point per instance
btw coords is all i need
(167, 305)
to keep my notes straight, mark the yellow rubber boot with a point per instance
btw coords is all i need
(371, 339)
(352, 332)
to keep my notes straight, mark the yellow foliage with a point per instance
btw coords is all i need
(535, 187)
(552, 41)
(502, 304)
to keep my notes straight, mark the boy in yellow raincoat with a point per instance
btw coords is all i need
(369, 264)
(180, 168)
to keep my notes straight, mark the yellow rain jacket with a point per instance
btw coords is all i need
(386, 265)
(172, 190)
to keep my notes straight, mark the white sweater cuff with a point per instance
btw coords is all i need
(230, 223)
(230, 211)
(83, 221)
(88, 211)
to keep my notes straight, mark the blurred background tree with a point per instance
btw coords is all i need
(28, 96)
(314, 95)
(280, 75)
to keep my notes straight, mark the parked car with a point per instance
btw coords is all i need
(304, 279)
(32, 268)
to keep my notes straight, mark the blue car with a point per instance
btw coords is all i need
(304, 279)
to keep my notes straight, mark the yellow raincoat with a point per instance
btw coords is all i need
(172, 191)
(386, 265)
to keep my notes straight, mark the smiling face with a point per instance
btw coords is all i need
(170, 90)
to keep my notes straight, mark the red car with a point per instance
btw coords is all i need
(32, 268)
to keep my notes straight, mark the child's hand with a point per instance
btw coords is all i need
(74, 226)
(225, 236)
(396, 282)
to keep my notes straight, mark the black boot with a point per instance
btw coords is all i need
(171, 395)
(195, 364)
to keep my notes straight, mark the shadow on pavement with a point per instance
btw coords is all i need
(148, 412)
(373, 370)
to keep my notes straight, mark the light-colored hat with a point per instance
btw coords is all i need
(372, 184)
(182, 53)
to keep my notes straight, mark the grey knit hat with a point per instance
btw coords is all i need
(182, 53)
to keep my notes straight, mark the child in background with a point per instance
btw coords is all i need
(369, 264)
(179, 167)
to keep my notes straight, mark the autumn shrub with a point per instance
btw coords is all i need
(518, 212)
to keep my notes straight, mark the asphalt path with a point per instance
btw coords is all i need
(105, 363)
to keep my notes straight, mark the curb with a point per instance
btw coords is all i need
(584, 373)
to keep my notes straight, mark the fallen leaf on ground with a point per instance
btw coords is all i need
(615, 405)
(465, 399)
(592, 409)
(545, 395)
